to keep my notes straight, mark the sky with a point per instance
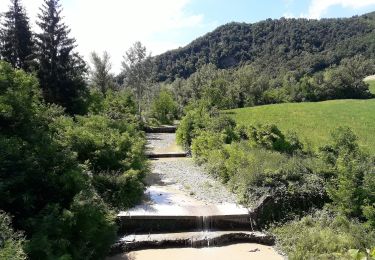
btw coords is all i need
(161, 25)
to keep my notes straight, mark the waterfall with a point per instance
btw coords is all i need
(204, 225)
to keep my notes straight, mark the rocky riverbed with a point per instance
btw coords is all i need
(193, 180)
(178, 187)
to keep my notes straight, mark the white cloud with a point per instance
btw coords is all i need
(288, 3)
(113, 25)
(289, 15)
(318, 8)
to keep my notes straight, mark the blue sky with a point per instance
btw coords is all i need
(218, 12)
(224, 11)
(161, 25)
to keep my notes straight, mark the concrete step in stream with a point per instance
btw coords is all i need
(129, 224)
(161, 129)
(153, 155)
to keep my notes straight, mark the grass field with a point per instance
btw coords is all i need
(313, 122)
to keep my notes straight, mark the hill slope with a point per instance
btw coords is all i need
(313, 122)
(286, 44)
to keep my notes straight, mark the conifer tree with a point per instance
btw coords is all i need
(16, 37)
(61, 69)
(100, 73)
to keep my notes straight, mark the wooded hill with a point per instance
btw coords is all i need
(275, 46)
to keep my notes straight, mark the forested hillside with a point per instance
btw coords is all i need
(275, 46)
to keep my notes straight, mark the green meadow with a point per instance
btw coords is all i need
(314, 121)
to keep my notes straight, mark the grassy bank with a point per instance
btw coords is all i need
(313, 122)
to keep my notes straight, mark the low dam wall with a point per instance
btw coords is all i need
(160, 224)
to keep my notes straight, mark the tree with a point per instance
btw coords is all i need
(137, 70)
(346, 81)
(349, 167)
(16, 38)
(164, 107)
(61, 69)
(43, 185)
(11, 242)
(101, 76)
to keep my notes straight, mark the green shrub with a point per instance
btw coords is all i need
(323, 236)
(84, 231)
(255, 162)
(204, 118)
(110, 144)
(102, 145)
(42, 182)
(216, 165)
(194, 120)
(121, 190)
(11, 242)
(294, 183)
(351, 187)
(164, 107)
(270, 137)
(204, 144)
(221, 123)
(291, 181)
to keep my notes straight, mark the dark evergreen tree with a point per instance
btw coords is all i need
(16, 38)
(61, 69)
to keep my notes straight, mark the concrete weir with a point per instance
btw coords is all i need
(166, 155)
(159, 224)
(161, 129)
(189, 239)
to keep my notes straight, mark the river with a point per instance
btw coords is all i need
(178, 189)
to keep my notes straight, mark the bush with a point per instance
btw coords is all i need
(270, 137)
(256, 162)
(42, 182)
(323, 236)
(120, 189)
(194, 120)
(204, 144)
(84, 231)
(164, 107)
(351, 187)
(11, 242)
(292, 182)
(201, 118)
(109, 143)
(102, 145)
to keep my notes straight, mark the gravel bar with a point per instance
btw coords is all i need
(193, 180)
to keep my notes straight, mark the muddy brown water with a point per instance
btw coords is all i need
(244, 251)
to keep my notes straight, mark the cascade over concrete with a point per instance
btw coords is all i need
(166, 197)
(189, 239)
(163, 145)
(181, 197)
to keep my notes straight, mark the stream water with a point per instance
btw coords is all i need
(244, 251)
(170, 192)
